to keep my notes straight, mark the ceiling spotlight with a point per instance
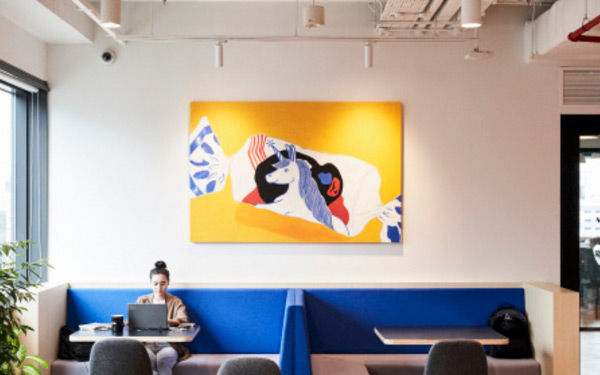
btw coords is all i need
(470, 14)
(110, 13)
(219, 54)
(368, 55)
(313, 15)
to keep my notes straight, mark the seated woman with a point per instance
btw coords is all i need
(163, 356)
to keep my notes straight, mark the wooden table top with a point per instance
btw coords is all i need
(431, 335)
(172, 335)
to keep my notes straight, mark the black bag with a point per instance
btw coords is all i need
(79, 351)
(512, 323)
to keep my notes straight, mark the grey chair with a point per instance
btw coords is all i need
(119, 357)
(249, 366)
(460, 357)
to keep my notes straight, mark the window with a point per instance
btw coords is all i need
(23, 161)
(7, 99)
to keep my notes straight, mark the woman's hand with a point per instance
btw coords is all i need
(173, 322)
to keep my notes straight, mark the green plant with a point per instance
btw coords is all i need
(15, 290)
(19, 366)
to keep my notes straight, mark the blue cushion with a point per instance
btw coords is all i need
(342, 320)
(232, 320)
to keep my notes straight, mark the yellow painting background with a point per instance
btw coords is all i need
(370, 131)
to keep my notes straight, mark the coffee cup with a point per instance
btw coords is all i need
(117, 323)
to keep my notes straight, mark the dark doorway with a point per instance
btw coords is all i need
(580, 213)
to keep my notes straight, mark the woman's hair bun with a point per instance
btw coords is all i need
(160, 264)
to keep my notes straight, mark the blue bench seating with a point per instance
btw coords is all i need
(308, 331)
(340, 327)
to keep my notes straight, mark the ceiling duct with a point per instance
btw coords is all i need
(396, 9)
(548, 35)
(434, 18)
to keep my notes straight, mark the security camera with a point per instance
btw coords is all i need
(108, 56)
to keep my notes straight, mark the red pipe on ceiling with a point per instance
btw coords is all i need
(577, 35)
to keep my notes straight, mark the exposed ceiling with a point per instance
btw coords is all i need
(61, 21)
(547, 35)
(49, 21)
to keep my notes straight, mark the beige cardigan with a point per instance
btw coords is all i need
(175, 310)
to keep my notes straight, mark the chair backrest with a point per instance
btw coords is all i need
(460, 357)
(119, 357)
(249, 366)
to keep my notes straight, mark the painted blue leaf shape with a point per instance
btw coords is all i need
(393, 233)
(194, 188)
(203, 163)
(207, 148)
(211, 186)
(399, 210)
(201, 174)
(216, 140)
(194, 145)
(205, 131)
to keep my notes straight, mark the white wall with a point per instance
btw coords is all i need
(481, 158)
(21, 49)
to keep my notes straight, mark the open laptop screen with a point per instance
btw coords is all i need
(147, 316)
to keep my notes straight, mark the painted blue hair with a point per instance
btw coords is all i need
(309, 192)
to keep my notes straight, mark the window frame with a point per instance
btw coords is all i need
(30, 152)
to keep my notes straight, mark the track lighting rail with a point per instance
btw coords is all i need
(293, 38)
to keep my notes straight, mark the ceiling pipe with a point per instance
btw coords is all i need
(577, 35)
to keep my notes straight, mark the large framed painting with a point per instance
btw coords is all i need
(295, 172)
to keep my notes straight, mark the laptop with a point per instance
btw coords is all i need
(143, 316)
